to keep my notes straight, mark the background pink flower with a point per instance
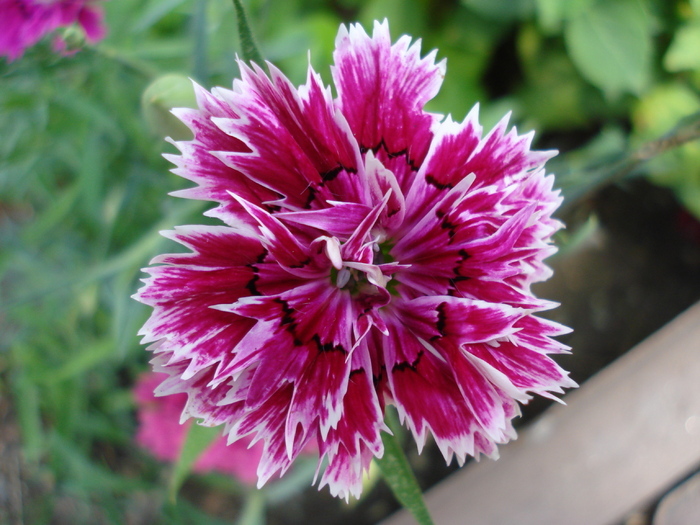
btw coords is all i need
(24, 22)
(161, 433)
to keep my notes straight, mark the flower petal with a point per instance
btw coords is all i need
(196, 163)
(351, 445)
(427, 397)
(462, 320)
(312, 143)
(374, 77)
(340, 220)
(183, 292)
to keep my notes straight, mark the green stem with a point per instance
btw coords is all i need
(253, 509)
(249, 49)
(687, 130)
(399, 476)
(200, 68)
(132, 64)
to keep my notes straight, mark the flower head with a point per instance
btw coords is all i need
(372, 253)
(25, 22)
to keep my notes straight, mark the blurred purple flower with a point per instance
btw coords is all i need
(24, 22)
(372, 253)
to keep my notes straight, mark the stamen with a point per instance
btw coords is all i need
(343, 277)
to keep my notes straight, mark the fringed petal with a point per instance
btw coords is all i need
(374, 77)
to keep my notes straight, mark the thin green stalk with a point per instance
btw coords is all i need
(253, 509)
(399, 476)
(200, 67)
(134, 65)
(249, 49)
(687, 130)
(197, 440)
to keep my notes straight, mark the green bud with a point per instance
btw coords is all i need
(160, 97)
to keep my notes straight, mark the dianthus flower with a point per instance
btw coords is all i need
(161, 434)
(25, 22)
(373, 253)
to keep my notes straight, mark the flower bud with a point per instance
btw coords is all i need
(160, 97)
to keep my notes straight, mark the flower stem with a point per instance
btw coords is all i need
(249, 49)
(687, 130)
(134, 65)
(200, 68)
(400, 478)
(197, 440)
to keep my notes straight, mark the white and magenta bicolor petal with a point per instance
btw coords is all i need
(371, 254)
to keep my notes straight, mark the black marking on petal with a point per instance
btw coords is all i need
(355, 372)
(287, 317)
(447, 225)
(463, 256)
(331, 174)
(391, 154)
(406, 365)
(261, 257)
(327, 347)
(311, 197)
(376, 379)
(288, 321)
(272, 208)
(441, 321)
(434, 182)
(250, 285)
(396, 153)
(302, 263)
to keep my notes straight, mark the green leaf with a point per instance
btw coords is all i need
(502, 9)
(684, 51)
(611, 45)
(26, 399)
(400, 478)
(153, 12)
(85, 474)
(198, 439)
(249, 49)
(92, 355)
(551, 13)
(660, 110)
(405, 16)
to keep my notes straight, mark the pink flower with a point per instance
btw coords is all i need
(161, 433)
(25, 22)
(372, 253)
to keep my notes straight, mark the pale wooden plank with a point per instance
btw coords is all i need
(681, 506)
(625, 437)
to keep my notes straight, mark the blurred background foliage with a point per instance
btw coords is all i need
(83, 194)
